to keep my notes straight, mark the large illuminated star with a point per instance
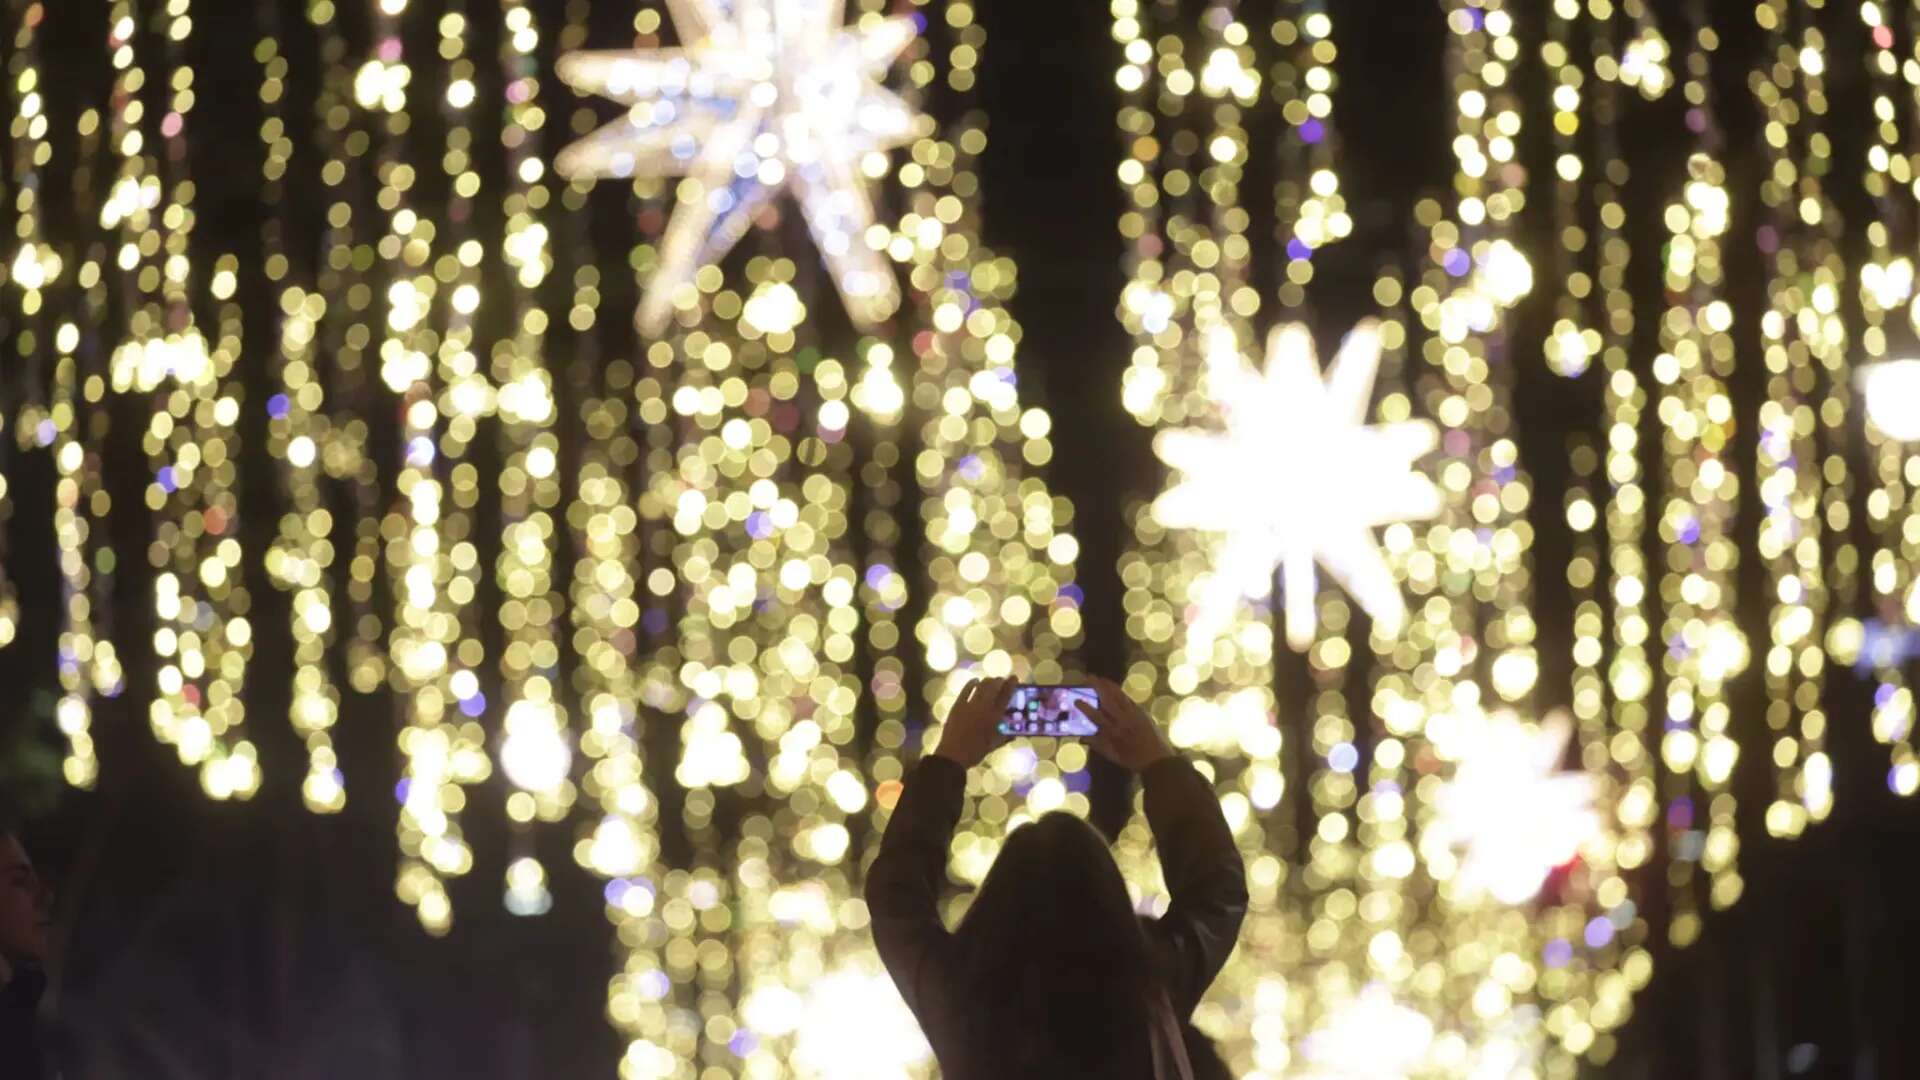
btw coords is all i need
(1296, 476)
(1507, 809)
(765, 95)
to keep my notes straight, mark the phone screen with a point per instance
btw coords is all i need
(1049, 710)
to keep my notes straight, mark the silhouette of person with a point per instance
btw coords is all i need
(1051, 974)
(26, 911)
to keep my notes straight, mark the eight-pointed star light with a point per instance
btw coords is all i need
(1297, 475)
(764, 95)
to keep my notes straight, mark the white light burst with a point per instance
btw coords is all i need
(1507, 807)
(1370, 1037)
(1297, 475)
(1893, 398)
(854, 1026)
(765, 94)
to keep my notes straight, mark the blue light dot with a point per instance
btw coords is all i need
(1343, 757)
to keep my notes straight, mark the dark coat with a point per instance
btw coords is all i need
(1206, 880)
(21, 1056)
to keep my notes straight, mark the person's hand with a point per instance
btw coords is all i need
(973, 723)
(1128, 736)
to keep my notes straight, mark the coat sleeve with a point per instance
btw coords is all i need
(904, 882)
(1206, 879)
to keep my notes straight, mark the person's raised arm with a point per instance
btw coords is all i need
(903, 884)
(1206, 878)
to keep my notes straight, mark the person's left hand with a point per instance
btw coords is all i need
(972, 730)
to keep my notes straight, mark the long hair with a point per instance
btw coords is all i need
(1056, 965)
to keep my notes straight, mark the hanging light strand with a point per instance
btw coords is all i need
(1310, 212)
(203, 638)
(435, 686)
(1572, 343)
(89, 571)
(1628, 675)
(28, 269)
(1801, 333)
(351, 104)
(623, 845)
(1000, 553)
(300, 560)
(536, 752)
(1704, 647)
(1893, 501)
(1468, 653)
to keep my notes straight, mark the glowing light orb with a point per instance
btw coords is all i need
(534, 754)
(1893, 398)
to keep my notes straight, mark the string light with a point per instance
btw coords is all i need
(89, 660)
(623, 846)
(1380, 866)
(1805, 340)
(9, 595)
(203, 638)
(1644, 58)
(1705, 648)
(302, 556)
(1893, 510)
(1000, 553)
(1617, 960)
(1474, 641)
(1571, 344)
(744, 620)
(30, 269)
(536, 754)
(432, 566)
(1188, 263)
(1311, 215)
(349, 337)
(87, 664)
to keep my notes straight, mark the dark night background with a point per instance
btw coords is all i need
(206, 940)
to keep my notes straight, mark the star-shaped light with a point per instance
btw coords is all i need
(765, 95)
(1507, 809)
(1296, 476)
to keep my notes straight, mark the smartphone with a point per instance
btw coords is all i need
(1049, 711)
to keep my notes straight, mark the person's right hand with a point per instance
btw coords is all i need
(1128, 736)
(972, 730)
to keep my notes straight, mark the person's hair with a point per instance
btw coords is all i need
(1057, 968)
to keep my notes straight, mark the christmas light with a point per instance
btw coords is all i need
(1297, 477)
(1892, 392)
(745, 558)
(1508, 804)
(759, 97)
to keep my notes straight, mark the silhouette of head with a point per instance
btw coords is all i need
(26, 903)
(1055, 957)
